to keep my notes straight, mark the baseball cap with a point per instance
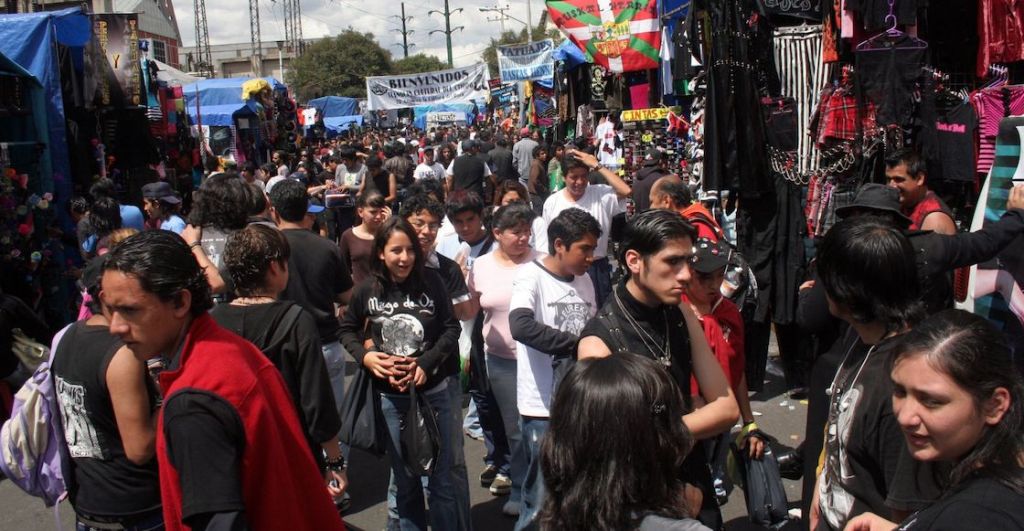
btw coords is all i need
(653, 154)
(162, 191)
(710, 255)
(877, 197)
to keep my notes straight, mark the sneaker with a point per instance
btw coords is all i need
(501, 485)
(488, 475)
(476, 436)
(510, 508)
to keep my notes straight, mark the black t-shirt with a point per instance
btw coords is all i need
(379, 182)
(954, 132)
(978, 505)
(296, 354)
(868, 467)
(102, 481)
(458, 292)
(317, 275)
(873, 12)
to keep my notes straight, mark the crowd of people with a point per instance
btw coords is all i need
(204, 385)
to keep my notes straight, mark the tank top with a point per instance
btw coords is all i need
(103, 482)
(931, 203)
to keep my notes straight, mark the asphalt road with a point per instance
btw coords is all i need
(778, 416)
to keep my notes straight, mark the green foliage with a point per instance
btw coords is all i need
(338, 66)
(418, 63)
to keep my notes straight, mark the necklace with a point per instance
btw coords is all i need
(663, 354)
(249, 301)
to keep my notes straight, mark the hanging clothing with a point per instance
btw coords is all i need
(887, 77)
(873, 12)
(991, 106)
(1001, 32)
(802, 73)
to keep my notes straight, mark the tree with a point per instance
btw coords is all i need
(338, 66)
(418, 63)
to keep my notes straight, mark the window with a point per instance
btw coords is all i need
(159, 50)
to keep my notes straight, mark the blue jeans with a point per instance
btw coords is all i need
(533, 430)
(460, 476)
(335, 358)
(600, 271)
(412, 511)
(502, 374)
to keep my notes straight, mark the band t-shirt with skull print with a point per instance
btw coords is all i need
(867, 466)
(561, 303)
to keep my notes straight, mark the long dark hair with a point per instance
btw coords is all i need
(976, 356)
(614, 446)
(379, 270)
(221, 202)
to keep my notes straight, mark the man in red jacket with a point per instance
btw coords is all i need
(230, 448)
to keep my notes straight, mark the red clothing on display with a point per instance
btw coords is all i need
(281, 485)
(1001, 33)
(723, 328)
(931, 203)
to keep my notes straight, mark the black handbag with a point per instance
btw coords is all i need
(420, 437)
(362, 421)
(762, 487)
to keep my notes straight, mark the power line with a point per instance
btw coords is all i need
(448, 29)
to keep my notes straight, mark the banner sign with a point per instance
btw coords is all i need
(640, 115)
(445, 116)
(618, 35)
(526, 62)
(503, 94)
(115, 61)
(459, 85)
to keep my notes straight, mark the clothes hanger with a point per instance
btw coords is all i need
(887, 40)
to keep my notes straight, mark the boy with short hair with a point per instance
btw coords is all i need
(552, 300)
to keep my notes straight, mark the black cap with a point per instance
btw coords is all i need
(654, 154)
(161, 191)
(710, 255)
(877, 197)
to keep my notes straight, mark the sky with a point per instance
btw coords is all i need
(228, 22)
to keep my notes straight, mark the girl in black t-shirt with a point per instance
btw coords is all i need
(957, 398)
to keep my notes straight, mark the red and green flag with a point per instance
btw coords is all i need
(620, 35)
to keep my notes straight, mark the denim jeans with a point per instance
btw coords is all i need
(502, 374)
(335, 358)
(601, 276)
(532, 430)
(412, 511)
(472, 422)
(460, 476)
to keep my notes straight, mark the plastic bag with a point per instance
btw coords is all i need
(420, 437)
(362, 423)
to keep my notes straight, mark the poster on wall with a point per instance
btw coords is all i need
(619, 36)
(113, 62)
(458, 85)
(526, 62)
(994, 289)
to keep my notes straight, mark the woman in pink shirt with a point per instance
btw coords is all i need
(490, 280)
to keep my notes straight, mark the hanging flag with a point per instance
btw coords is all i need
(619, 35)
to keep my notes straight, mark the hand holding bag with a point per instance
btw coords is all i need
(762, 486)
(420, 437)
(362, 421)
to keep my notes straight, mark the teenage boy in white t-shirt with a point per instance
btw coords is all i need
(600, 200)
(552, 299)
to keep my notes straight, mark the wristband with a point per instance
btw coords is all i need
(193, 245)
(336, 465)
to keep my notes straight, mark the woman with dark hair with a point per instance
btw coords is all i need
(512, 191)
(379, 180)
(613, 447)
(356, 243)
(405, 313)
(869, 274)
(445, 154)
(104, 217)
(957, 397)
(220, 208)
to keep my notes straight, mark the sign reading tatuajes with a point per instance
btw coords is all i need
(525, 62)
(458, 85)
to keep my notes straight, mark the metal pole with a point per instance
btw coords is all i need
(405, 36)
(529, 22)
(280, 63)
(448, 33)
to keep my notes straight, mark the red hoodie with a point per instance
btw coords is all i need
(281, 484)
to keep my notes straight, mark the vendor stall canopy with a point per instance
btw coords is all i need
(466, 111)
(335, 106)
(221, 91)
(336, 124)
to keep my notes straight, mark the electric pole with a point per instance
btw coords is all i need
(405, 32)
(293, 26)
(203, 58)
(448, 29)
(254, 35)
(501, 18)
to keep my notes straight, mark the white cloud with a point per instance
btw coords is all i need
(228, 22)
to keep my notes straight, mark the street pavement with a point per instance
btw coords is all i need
(775, 413)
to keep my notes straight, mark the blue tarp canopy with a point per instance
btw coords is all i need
(335, 106)
(337, 124)
(569, 54)
(28, 40)
(19, 129)
(466, 111)
(220, 91)
(219, 114)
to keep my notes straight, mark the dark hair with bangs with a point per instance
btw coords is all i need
(570, 226)
(512, 215)
(868, 267)
(461, 201)
(976, 356)
(649, 231)
(379, 270)
(248, 254)
(163, 265)
(420, 202)
(614, 445)
(221, 202)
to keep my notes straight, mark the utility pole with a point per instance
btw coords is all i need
(501, 18)
(293, 26)
(405, 32)
(448, 29)
(254, 35)
(205, 61)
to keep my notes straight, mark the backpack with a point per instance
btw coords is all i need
(32, 440)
